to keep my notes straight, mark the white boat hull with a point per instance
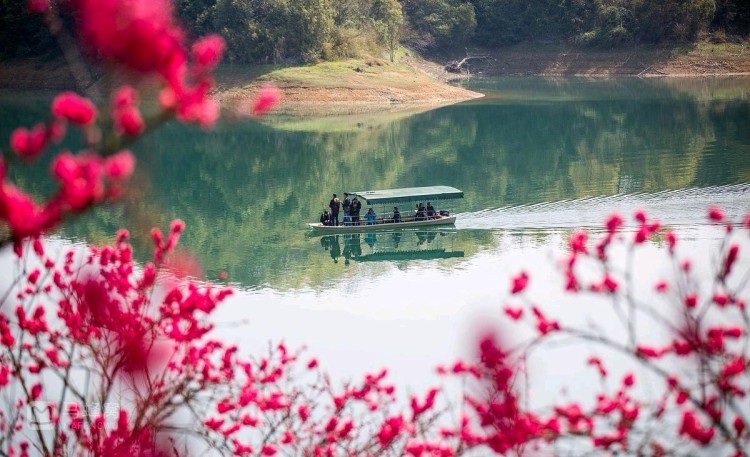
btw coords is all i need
(363, 227)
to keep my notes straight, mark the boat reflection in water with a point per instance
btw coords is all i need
(397, 245)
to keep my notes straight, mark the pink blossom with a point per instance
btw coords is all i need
(729, 261)
(739, 425)
(120, 165)
(73, 107)
(418, 409)
(614, 223)
(734, 367)
(513, 313)
(716, 214)
(208, 51)
(304, 412)
(390, 430)
(29, 144)
(265, 100)
(682, 347)
(671, 240)
(214, 423)
(139, 34)
(241, 448)
(692, 427)
(125, 95)
(23, 215)
(36, 391)
(128, 121)
(81, 178)
(721, 299)
(269, 449)
(39, 6)
(610, 284)
(519, 283)
(650, 352)
(597, 362)
(193, 104)
(578, 243)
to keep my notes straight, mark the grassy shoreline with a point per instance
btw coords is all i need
(352, 86)
(413, 83)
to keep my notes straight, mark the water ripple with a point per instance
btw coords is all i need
(672, 207)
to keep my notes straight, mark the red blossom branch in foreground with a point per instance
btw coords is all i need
(703, 371)
(110, 357)
(141, 41)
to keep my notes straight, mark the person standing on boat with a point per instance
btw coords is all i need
(347, 204)
(334, 204)
(371, 216)
(354, 211)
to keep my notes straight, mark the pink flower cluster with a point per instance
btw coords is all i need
(136, 330)
(139, 36)
(709, 335)
(85, 179)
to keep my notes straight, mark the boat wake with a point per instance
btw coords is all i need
(684, 207)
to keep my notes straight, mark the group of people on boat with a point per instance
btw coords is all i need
(421, 213)
(425, 212)
(351, 208)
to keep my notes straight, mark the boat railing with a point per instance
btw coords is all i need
(386, 217)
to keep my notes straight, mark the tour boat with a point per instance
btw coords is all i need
(395, 197)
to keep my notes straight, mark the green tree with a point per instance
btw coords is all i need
(674, 20)
(313, 20)
(440, 22)
(388, 18)
(197, 15)
(732, 16)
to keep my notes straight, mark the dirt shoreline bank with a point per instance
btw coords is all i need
(415, 83)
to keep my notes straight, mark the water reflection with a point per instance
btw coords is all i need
(396, 246)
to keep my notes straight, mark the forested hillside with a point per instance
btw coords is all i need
(294, 31)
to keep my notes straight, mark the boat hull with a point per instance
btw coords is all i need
(320, 228)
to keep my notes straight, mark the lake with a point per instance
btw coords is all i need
(536, 158)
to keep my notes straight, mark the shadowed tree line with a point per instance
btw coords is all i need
(294, 31)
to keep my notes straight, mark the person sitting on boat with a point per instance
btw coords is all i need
(396, 215)
(419, 215)
(430, 211)
(371, 216)
(325, 218)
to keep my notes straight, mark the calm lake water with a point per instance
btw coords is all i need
(536, 159)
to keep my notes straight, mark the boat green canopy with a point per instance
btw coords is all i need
(408, 194)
